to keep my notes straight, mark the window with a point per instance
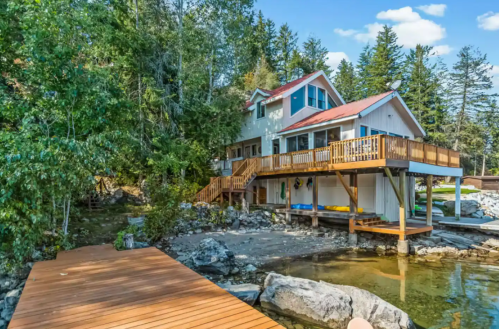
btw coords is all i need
(394, 135)
(275, 146)
(363, 131)
(297, 100)
(407, 137)
(311, 96)
(233, 154)
(330, 102)
(239, 152)
(260, 110)
(297, 143)
(323, 138)
(253, 150)
(377, 132)
(321, 98)
(247, 152)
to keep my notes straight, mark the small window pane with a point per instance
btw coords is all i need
(297, 100)
(253, 150)
(330, 102)
(320, 139)
(395, 135)
(321, 99)
(260, 110)
(333, 135)
(303, 142)
(239, 152)
(311, 96)
(363, 131)
(377, 132)
(292, 147)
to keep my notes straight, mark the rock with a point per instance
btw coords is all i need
(12, 297)
(140, 245)
(468, 207)
(198, 231)
(7, 313)
(235, 224)
(247, 292)
(212, 256)
(250, 268)
(235, 270)
(328, 305)
(3, 324)
(299, 326)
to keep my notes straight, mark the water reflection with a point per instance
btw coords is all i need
(449, 294)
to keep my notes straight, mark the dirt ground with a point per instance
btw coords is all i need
(265, 246)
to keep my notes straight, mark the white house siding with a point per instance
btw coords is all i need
(266, 127)
(386, 200)
(387, 118)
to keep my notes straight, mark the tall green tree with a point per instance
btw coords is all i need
(264, 38)
(362, 89)
(314, 57)
(285, 45)
(345, 81)
(262, 77)
(386, 65)
(471, 86)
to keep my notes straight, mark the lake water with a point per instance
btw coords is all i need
(447, 294)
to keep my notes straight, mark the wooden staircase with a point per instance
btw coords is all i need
(239, 180)
(370, 221)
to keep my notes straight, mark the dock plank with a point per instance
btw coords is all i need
(98, 287)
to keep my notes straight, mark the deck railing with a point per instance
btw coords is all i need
(368, 148)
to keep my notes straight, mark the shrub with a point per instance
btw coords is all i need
(118, 243)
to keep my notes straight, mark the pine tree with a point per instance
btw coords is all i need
(295, 65)
(470, 88)
(345, 81)
(314, 57)
(362, 90)
(421, 86)
(285, 45)
(262, 77)
(270, 38)
(385, 66)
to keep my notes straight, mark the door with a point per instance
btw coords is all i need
(263, 195)
(247, 152)
(275, 147)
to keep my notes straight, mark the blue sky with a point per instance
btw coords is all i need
(346, 26)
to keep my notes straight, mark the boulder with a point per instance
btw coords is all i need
(468, 207)
(329, 305)
(212, 256)
(247, 292)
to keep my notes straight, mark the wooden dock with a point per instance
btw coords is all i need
(99, 287)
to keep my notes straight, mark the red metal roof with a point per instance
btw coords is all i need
(339, 112)
(248, 104)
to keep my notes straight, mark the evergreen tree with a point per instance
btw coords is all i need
(314, 57)
(345, 81)
(421, 86)
(269, 49)
(385, 66)
(362, 89)
(285, 45)
(471, 84)
(262, 77)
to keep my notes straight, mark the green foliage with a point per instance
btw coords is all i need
(285, 46)
(262, 77)
(314, 57)
(345, 81)
(119, 244)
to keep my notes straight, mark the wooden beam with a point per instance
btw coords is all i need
(403, 214)
(258, 194)
(288, 194)
(230, 198)
(392, 182)
(221, 199)
(347, 188)
(429, 200)
(315, 194)
(354, 186)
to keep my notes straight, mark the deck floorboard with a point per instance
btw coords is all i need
(99, 287)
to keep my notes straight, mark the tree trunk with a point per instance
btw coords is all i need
(483, 163)
(139, 83)
(210, 72)
(180, 14)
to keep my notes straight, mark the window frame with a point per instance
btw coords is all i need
(305, 95)
(323, 101)
(297, 144)
(315, 95)
(327, 99)
(260, 110)
(325, 131)
(239, 152)
(368, 131)
(254, 150)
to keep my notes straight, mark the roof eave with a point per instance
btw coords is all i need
(317, 125)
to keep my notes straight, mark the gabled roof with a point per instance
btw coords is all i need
(340, 112)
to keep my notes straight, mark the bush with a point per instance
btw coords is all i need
(118, 243)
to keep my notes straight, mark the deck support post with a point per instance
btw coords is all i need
(315, 202)
(352, 237)
(258, 194)
(230, 198)
(288, 200)
(429, 200)
(457, 210)
(221, 199)
(402, 191)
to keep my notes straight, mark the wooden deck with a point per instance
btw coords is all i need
(394, 228)
(99, 287)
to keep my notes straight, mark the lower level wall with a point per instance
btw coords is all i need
(375, 193)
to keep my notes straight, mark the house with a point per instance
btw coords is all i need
(301, 144)
(482, 182)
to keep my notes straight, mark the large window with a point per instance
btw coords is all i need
(323, 138)
(297, 143)
(321, 98)
(330, 102)
(311, 96)
(297, 100)
(395, 135)
(260, 110)
(377, 132)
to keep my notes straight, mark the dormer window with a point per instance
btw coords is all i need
(321, 98)
(330, 102)
(260, 110)
(311, 96)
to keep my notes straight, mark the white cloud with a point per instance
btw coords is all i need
(399, 15)
(334, 59)
(423, 31)
(372, 32)
(411, 29)
(345, 33)
(495, 70)
(434, 10)
(488, 21)
(442, 50)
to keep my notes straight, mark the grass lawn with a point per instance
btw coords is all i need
(450, 190)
